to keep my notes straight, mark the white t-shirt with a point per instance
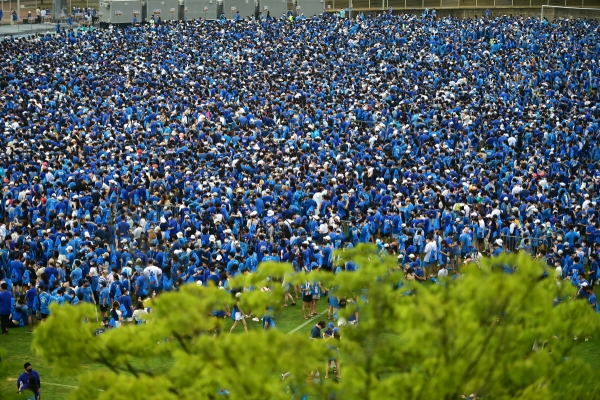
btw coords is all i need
(430, 250)
(152, 268)
(138, 315)
(442, 273)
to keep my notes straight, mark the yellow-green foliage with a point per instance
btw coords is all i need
(492, 334)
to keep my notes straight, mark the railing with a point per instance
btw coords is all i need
(385, 5)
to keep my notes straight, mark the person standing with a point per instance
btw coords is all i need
(30, 296)
(125, 301)
(25, 379)
(238, 314)
(5, 306)
(430, 256)
(335, 353)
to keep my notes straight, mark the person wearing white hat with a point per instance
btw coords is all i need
(238, 314)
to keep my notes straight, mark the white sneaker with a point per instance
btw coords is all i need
(255, 319)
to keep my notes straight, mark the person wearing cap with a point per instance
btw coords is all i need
(238, 314)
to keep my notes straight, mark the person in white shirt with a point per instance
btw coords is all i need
(127, 269)
(430, 256)
(139, 313)
(137, 232)
(443, 272)
(517, 189)
(318, 198)
(153, 269)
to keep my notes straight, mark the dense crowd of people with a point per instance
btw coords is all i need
(138, 160)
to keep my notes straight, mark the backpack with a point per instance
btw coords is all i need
(26, 277)
(233, 312)
(123, 310)
(143, 288)
(153, 281)
(167, 283)
(14, 276)
(387, 226)
(36, 303)
(117, 289)
(190, 279)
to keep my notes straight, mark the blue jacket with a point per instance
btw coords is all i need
(24, 379)
(5, 302)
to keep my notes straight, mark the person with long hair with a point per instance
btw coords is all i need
(115, 314)
(29, 382)
(238, 314)
(32, 391)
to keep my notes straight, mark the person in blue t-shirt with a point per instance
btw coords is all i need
(315, 332)
(268, 321)
(30, 296)
(104, 298)
(591, 298)
(44, 299)
(127, 305)
(17, 319)
(141, 287)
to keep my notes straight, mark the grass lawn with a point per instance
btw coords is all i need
(17, 345)
(17, 348)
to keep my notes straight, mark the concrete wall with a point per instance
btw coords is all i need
(549, 13)
(311, 7)
(277, 8)
(245, 7)
(126, 6)
(196, 9)
(165, 9)
(480, 12)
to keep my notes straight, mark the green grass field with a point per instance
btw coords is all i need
(17, 345)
